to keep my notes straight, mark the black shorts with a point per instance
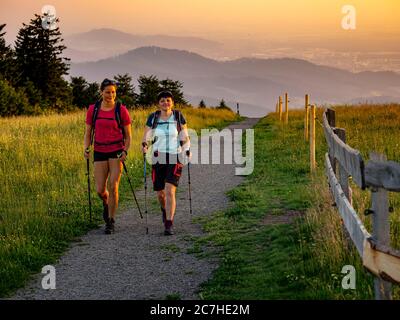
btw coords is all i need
(104, 156)
(162, 173)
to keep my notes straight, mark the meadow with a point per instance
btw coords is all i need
(44, 198)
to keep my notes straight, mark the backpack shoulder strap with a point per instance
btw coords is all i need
(156, 119)
(96, 112)
(119, 120)
(118, 114)
(94, 118)
(177, 117)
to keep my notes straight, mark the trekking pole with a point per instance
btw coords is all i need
(130, 183)
(90, 200)
(145, 191)
(144, 144)
(190, 191)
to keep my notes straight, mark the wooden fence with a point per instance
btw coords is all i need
(379, 176)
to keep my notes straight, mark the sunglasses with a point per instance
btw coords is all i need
(108, 83)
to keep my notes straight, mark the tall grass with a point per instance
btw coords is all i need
(43, 203)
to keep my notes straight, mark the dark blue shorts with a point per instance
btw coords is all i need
(166, 172)
(104, 156)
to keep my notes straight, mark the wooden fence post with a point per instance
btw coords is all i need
(331, 116)
(280, 108)
(306, 118)
(380, 229)
(312, 138)
(286, 108)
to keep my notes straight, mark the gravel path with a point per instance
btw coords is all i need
(132, 265)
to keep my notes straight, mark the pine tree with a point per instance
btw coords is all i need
(125, 90)
(92, 93)
(33, 94)
(222, 104)
(202, 104)
(84, 93)
(6, 57)
(149, 88)
(175, 87)
(39, 60)
(79, 91)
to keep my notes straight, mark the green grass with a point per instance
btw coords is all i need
(43, 205)
(173, 296)
(171, 248)
(302, 260)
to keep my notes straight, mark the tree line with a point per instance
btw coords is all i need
(85, 93)
(33, 77)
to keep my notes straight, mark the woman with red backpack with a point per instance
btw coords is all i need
(108, 125)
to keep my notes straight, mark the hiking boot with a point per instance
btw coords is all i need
(168, 232)
(105, 212)
(168, 228)
(164, 215)
(110, 226)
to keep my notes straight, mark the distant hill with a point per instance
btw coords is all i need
(256, 82)
(104, 43)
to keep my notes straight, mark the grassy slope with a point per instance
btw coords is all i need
(298, 261)
(44, 186)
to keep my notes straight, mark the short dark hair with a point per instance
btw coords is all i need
(107, 82)
(164, 94)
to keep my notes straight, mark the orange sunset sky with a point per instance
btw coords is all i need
(211, 18)
(305, 29)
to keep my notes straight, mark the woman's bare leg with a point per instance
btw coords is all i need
(100, 177)
(170, 203)
(115, 166)
(161, 198)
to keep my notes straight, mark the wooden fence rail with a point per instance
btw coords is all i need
(353, 224)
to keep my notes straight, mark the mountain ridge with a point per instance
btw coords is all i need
(253, 81)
